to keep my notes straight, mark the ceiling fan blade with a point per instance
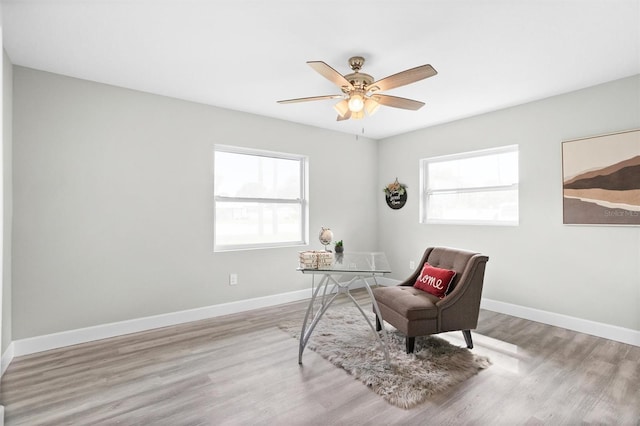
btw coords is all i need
(346, 116)
(330, 74)
(402, 78)
(396, 102)
(312, 98)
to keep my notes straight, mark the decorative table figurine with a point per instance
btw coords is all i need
(326, 236)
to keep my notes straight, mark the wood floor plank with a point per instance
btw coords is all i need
(242, 369)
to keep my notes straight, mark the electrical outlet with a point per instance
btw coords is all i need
(412, 265)
(233, 279)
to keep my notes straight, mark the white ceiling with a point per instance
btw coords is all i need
(246, 55)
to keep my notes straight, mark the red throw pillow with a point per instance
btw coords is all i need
(434, 280)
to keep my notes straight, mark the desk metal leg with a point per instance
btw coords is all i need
(383, 341)
(385, 344)
(306, 332)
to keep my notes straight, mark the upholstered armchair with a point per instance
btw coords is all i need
(416, 312)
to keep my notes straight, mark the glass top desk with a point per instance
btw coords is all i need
(358, 266)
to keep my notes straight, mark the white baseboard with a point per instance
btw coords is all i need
(7, 357)
(73, 337)
(104, 331)
(385, 281)
(607, 331)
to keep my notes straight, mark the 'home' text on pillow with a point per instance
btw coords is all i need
(434, 280)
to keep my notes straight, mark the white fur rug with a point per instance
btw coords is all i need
(343, 337)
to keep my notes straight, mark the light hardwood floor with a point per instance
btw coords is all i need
(242, 370)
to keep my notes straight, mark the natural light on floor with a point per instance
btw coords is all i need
(502, 354)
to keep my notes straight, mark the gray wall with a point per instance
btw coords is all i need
(112, 194)
(585, 272)
(113, 203)
(7, 119)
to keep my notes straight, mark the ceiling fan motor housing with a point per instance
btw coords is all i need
(358, 80)
(356, 63)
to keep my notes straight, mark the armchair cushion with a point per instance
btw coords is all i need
(435, 280)
(409, 302)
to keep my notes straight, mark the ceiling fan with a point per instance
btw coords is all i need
(360, 92)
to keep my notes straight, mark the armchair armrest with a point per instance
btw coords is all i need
(469, 284)
(459, 310)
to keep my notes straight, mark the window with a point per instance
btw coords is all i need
(478, 187)
(259, 199)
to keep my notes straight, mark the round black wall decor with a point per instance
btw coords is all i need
(396, 200)
(396, 195)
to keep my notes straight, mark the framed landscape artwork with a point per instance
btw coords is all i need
(601, 180)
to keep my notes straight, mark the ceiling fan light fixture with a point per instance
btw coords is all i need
(358, 115)
(371, 106)
(356, 103)
(342, 107)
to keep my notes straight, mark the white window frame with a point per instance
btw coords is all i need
(426, 191)
(302, 202)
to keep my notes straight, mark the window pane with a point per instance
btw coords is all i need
(494, 206)
(486, 170)
(256, 176)
(474, 187)
(257, 223)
